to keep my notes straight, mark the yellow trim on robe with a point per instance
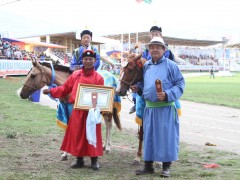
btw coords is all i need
(61, 124)
(138, 121)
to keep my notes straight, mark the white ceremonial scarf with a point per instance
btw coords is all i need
(94, 117)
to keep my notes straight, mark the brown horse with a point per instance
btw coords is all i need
(42, 74)
(130, 75)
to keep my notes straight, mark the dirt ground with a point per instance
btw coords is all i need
(199, 123)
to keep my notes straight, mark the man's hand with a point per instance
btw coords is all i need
(46, 91)
(134, 88)
(161, 96)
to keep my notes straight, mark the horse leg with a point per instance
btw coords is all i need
(158, 165)
(64, 156)
(108, 122)
(137, 159)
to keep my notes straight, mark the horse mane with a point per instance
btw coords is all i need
(57, 67)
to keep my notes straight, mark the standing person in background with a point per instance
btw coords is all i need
(86, 39)
(212, 73)
(75, 139)
(161, 122)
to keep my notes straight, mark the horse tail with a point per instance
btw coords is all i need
(116, 118)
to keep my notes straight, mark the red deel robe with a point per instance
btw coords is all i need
(75, 141)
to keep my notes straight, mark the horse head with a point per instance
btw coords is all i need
(35, 80)
(130, 74)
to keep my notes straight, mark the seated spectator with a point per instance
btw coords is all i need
(25, 57)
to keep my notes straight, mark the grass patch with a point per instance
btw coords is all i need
(30, 142)
(223, 90)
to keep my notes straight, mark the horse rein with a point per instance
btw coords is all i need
(129, 83)
(125, 82)
(43, 73)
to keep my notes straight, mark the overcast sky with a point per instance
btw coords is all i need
(202, 19)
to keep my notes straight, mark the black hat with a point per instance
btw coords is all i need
(86, 32)
(155, 28)
(89, 53)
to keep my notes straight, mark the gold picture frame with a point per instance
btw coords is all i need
(105, 97)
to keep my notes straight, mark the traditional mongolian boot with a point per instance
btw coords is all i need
(166, 169)
(79, 163)
(148, 168)
(94, 163)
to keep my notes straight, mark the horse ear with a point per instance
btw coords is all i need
(35, 61)
(138, 57)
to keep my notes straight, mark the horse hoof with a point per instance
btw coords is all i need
(158, 165)
(107, 151)
(63, 158)
(136, 162)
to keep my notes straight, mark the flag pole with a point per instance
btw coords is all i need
(129, 42)
(122, 50)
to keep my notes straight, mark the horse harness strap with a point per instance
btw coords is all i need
(129, 83)
(53, 75)
(42, 75)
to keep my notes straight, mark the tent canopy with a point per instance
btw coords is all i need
(32, 43)
(49, 45)
(11, 40)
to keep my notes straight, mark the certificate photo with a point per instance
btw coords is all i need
(104, 96)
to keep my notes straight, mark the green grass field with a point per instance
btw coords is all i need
(223, 90)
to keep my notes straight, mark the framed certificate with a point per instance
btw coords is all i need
(86, 93)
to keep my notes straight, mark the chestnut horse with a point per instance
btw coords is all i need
(45, 73)
(130, 75)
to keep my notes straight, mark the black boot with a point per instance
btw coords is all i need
(148, 168)
(79, 163)
(94, 163)
(166, 169)
(132, 110)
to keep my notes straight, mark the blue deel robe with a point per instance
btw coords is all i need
(77, 57)
(140, 103)
(161, 124)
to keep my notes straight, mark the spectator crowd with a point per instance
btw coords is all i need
(11, 51)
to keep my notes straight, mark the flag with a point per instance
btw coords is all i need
(146, 1)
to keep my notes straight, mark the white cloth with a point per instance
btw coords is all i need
(94, 117)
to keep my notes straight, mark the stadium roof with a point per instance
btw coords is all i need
(70, 35)
(143, 37)
(234, 46)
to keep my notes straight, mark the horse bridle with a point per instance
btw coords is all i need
(43, 73)
(128, 83)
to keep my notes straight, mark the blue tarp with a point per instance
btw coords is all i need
(11, 40)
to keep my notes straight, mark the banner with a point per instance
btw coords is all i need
(14, 67)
